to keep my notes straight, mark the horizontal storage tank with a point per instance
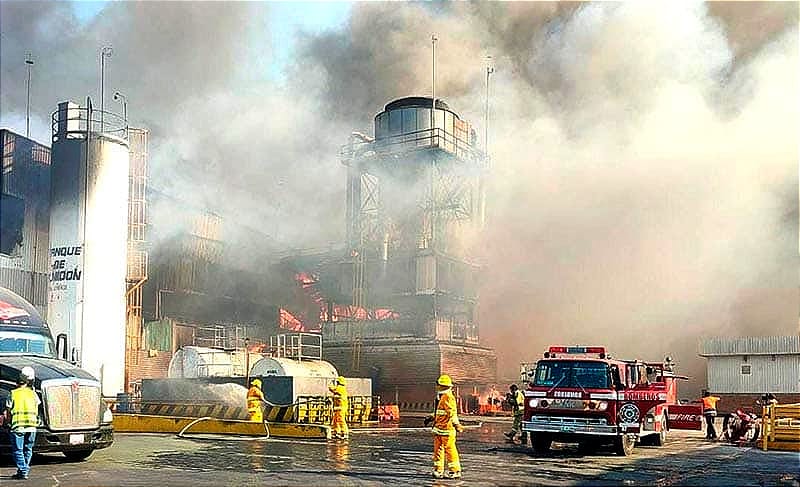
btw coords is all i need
(193, 362)
(285, 367)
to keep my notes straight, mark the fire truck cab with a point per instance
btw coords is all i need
(582, 395)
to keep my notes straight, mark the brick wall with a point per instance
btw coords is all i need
(150, 367)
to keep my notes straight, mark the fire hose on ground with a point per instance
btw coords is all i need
(182, 432)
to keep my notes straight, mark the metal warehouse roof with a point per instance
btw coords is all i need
(766, 345)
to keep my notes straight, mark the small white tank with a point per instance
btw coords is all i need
(286, 367)
(192, 362)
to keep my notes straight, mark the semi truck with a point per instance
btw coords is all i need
(73, 418)
(582, 395)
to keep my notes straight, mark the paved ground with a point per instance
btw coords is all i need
(402, 457)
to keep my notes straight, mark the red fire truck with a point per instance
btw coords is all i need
(582, 395)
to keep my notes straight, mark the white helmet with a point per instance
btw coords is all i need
(27, 373)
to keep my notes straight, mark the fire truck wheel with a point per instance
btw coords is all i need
(541, 442)
(661, 437)
(623, 445)
(77, 455)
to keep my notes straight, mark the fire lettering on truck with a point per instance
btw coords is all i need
(645, 396)
(567, 394)
(685, 417)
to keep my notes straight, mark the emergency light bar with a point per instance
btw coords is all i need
(552, 351)
(577, 349)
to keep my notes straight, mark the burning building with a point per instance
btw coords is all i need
(398, 303)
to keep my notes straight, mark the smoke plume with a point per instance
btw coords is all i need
(643, 191)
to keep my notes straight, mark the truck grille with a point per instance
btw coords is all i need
(72, 404)
(565, 421)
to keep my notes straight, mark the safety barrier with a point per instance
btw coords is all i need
(306, 410)
(319, 409)
(417, 406)
(781, 427)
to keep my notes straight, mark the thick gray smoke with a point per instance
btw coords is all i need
(643, 190)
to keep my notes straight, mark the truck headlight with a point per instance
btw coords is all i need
(533, 403)
(107, 416)
(602, 405)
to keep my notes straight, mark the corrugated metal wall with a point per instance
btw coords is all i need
(750, 345)
(768, 373)
(26, 174)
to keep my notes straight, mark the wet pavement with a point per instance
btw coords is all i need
(391, 456)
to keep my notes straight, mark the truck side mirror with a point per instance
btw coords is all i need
(618, 385)
(61, 346)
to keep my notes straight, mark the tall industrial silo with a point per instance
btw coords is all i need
(88, 238)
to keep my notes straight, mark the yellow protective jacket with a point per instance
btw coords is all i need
(340, 400)
(518, 408)
(446, 415)
(24, 410)
(254, 398)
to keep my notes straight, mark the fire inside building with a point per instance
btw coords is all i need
(395, 303)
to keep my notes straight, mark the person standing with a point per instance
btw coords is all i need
(23, 407)
(341, 406)
(710, 412)
(255, 398)
(516, 399)
(445, 425)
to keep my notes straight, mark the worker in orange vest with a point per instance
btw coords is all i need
(341, 406)
(445, 425)
(710, 412)
(254, 399)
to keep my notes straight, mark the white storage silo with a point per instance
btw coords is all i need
(88, 239)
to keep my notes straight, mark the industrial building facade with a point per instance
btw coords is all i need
(741, 369)
(25, 207)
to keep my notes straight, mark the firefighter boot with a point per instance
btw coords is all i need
(510, 435)
(438, 474)
(453, 475)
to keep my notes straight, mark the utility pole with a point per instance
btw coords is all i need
(104, 53)
(29, 63)
(433, 88)
(489, 71)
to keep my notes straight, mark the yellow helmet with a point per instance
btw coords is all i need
(445, 381)
(340, 380)
(256, 383)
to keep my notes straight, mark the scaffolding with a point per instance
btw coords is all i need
(137, 264)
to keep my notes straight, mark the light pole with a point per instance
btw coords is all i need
(489, 71)
(433, 88)
(104, 53)
(29, 62)
(117, 97)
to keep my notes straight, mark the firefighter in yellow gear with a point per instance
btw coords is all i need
(445, 425)
(517, 401)
(341, 406)
(254, 400)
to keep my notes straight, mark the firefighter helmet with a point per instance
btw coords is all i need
(340, 380)
(445, 381)
(256, 383)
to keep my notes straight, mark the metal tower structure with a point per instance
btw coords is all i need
(414, 199)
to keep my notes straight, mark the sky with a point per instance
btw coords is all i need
(644, 184)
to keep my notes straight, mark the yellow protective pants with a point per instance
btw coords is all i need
(339, 425)
(444, 448)
(256, 415)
